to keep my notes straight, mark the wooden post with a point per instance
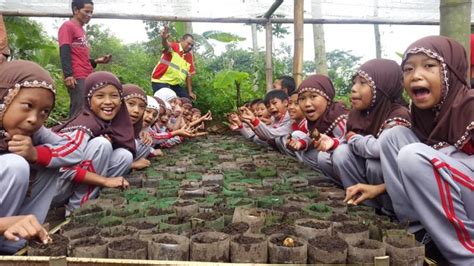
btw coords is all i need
(268, 56)
(254, 39)
(378, 45)
(319, 40)
(455, 19)
(299, 45)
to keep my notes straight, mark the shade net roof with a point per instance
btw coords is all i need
(377, 10)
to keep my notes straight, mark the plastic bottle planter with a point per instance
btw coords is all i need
(212, 220)
(309, 228)
(287, 249)
(169, 247)
(249, 248)
(327, 249)
(89, 247)
(90, 214)
(109, 221)
(403, 249)
(297, 201)
(235, 229)
(266, 172)
(210, 246)
(129, 248)
(175, 224)
(185, 208)
(254, 217)
(350, 231)
(362, 251)
(118, 232)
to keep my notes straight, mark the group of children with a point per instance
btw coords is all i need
(118, 128)
(414, 162)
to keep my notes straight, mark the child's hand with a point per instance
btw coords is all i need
(158, 152)
(247, 115)
(141, 164)
(359, 193)
(146, 138)
(207, 116)
(324, 143)
(349, 135)
(26, 227)
(23, 146)
(117, 182)
(294, 145)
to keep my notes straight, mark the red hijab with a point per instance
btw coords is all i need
(120, 129)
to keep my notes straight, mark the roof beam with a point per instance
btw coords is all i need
(229, 19)
(272, 9)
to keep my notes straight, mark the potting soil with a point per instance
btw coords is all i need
(328, 243)
(245, 168)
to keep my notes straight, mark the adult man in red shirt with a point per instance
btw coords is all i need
(176, 66)
(4, 50)
(75, 54)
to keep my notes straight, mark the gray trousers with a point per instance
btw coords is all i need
(324, 161)
(99, 158)
(76, 97)
(15, 175)
(434, 187)
(353, 169)
(142, 150)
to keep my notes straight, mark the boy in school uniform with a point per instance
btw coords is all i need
(277, 105)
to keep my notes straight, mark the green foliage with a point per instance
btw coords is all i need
(217, 76)
(341, 68)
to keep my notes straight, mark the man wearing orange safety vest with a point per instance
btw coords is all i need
(176, 66)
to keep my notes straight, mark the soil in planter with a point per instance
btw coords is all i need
(142, 225)
(208, 216)
(329, 243)
(236, 228)
(58, 247)
(117, 233)
(242, 239)
(129, 244)
(352, 228)
(367, 244)
(89, 210)
(279, 228)
(197, 230)
(279, 241)
(315, 225)
(89, 232)
(177, 220)
(90, 241)
(183, 203)
(165, 240)
(205, 239)
(157, 212)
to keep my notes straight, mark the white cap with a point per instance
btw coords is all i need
(152, 103)
(166, 94)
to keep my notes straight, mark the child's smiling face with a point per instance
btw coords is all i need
(422, 80)
(106, 102)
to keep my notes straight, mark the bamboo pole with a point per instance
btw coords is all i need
(268, 56)
(319, 40)
(378, 44)
(380, 21)
(455, 17)
(254, 40)
(299, 45)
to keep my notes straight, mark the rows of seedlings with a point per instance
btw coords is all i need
(223, 199)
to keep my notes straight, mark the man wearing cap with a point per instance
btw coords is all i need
(176, 66)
